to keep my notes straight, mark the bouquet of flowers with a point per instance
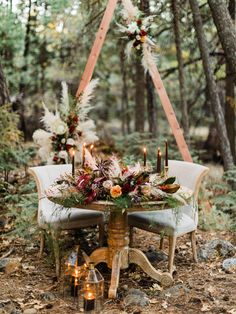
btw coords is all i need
(111, 180)
(138, 32)
(68, 127)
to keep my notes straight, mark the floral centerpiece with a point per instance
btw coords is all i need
(68, 127)
(110, 180)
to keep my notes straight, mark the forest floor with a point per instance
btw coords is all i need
(198, 288)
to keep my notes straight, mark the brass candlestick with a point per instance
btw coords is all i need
(166, 170)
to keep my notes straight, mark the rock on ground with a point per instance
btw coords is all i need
(217, 246)
(229, 265)
(136, 297)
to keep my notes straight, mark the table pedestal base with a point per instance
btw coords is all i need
(118, 255)
(134, 256)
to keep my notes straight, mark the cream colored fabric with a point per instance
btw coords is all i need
(50, 214)
(174, 222)
(165, 221)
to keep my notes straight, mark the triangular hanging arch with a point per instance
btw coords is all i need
(165, 101)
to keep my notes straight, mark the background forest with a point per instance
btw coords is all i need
(43, 43)
(46, 42)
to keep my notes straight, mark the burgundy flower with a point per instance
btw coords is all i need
(68, 147)
(127, 187)
(75, 119)
(71, 128)
(139, 22)
(91, 196)
(83, 181)
(142, 33)
(55, 158)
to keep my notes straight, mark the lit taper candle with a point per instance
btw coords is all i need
(158, 160)
(166, 155)
(83, 154)
(144, 156)
(72, 156)
(91, 149)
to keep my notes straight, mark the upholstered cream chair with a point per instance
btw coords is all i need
(177, 221)
(53, 220)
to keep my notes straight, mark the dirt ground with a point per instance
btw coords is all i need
(204, 287)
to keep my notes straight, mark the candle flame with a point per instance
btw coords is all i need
(91, 146)
(72, 152)
(144, 149)
(76, 273)
(89, 295)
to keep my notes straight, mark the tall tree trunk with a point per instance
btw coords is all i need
(124, 99)
(151, 99)
(151, 106)
(229, 95)
(226, 31)
(26, 48)
(4, 93)
(140, 88)
(212, 87)
(182, 91)
(139, 97)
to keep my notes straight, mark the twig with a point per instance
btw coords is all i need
(7, 254)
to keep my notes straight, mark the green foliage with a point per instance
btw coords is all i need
(22, 207)
(222, 215)
(215, 220)
(10, 136)
(225, 200)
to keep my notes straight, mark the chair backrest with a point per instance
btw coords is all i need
(44, 177)
(188, 174)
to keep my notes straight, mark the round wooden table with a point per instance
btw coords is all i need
(118, 255)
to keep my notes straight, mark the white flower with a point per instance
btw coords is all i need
(138, 47)
(133, 27)
(138, 37)
(63, 141)
(108, 184)
(44, 152)
(42, 138)
(63, 154)
(70, 141)
(59, 127)
(146, 189)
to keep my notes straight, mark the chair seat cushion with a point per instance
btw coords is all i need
(56, 216)
(172, 222)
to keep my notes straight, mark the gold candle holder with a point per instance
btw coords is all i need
(166, 170)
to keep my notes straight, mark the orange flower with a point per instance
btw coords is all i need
(143, 39)
(115, 191)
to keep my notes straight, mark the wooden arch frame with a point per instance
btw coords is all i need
(165, 101)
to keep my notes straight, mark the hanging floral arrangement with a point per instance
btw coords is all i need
(68, 127)
(138, 32)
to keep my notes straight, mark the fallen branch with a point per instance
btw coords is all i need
(7, 254)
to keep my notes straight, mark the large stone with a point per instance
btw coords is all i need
(214, 247)
(156, 256)
(136, 297)
(175, 291)
(229, 265)
(47, 296)
(30, 311)
(16, 311)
